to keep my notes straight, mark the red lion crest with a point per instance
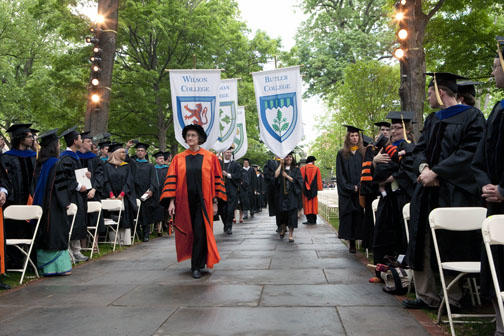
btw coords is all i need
(199, 113)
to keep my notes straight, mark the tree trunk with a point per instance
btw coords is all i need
(97, 115)
(412, 90)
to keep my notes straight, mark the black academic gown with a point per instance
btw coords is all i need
(259, 190)
(369, 191)
(287, 197)
(269, 181)
(145, 179)
(488, 167)
(447, 145)
(159, 212)
(247, 188)
(6, 184)
(227, 208)
(95, 167)
(20, 168)
(351, 215)
(389, 234)
(71, 162)
(119, 179)
(55, 198)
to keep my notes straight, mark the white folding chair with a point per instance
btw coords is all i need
(406, 218)
(92, 231)
(24, 213)
(113, 205)
(455, 219)
(71, 211)
(493, 234)
(139, 204)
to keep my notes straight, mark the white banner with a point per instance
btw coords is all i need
(228, 102)
(240, 141)
(278, 97)
(194, 101)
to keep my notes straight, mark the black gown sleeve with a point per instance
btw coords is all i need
(341, 180)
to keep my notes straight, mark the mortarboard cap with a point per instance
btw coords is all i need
(352, 128)
(86, 135)
(382, 124)
(34, 131)
(70, 135)
(398, 117)
(113, 146)
(467, 86)
(103, 144)
(19, 129)
(141, 145)
(48, 137)
(158, 154)
(446, 79)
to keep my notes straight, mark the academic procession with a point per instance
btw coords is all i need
(185, 199)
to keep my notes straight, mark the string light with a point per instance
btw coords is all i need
(402, 34)
(95, 98)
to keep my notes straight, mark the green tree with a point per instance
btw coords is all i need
(337, 33)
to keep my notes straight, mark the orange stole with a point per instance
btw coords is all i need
(176, 187)
(311, 206)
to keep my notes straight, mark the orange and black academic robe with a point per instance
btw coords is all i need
(194, 179)
(312, 180)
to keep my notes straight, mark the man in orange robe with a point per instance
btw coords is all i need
(193, 184)
(312, 183)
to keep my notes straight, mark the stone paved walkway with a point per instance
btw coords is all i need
(262, 286)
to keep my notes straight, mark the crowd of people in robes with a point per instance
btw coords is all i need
(40, 169)
(457, 161)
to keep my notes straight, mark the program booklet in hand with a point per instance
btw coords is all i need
(80, 175)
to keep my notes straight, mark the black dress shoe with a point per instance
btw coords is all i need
(229, 232)
(416, 304)
(306, 223)
(196, 274)
(352, 250)
(4, 286)
(145, 238)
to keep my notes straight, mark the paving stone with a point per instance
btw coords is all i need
(252, 321)
(45, 295)
(288, 276)
(362, 321)
(326, 295)
(348, 275)
(87, 321)
(191, 296)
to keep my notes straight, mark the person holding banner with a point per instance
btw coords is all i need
(231, 171)
(289, 183)
(348, 173)
(312, 184)
(193, 185)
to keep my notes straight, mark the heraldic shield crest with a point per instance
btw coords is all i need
(227, 113)
(196, 111)
(279, 115)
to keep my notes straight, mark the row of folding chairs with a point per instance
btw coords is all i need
(462, 219)
(34, 213)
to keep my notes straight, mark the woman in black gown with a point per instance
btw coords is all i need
(289, 183)
(120, 185)
(348, 174)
